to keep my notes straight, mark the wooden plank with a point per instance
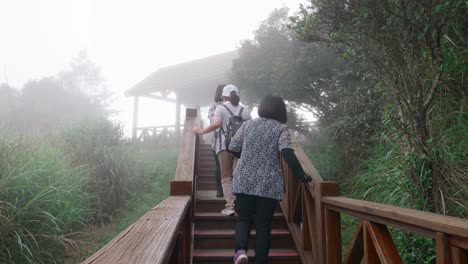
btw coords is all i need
(186, 163)
(308, 222)
(333, 236)
(356, 247)
(383, 243)
(181, 188)
(458, 255)
(429, 221)
(370, 254)
(148, 240)
(160, 97)
(322, 189)
(135, 118)
(442, 249)
(459, 242)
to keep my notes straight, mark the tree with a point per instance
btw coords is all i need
(8, 102)
(45, 104)
(314, 76)
(403, 44)
(275, 62)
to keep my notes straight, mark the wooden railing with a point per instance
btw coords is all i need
(164, 234)
(313, 214)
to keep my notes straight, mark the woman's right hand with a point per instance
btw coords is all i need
(305, 178)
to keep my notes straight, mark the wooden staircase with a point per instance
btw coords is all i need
(187, 227)
(214, 233)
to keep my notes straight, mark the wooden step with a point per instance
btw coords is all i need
(224, 238)
(215, 220)
(206, 186)
(204, 178)
(210, 160)
(206, 201)
(205, 155)
(206, 166)
(206, 183)
(224, 256)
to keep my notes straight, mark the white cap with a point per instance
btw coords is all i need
(228, 89)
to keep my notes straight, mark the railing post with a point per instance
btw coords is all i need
(333, 236)
(322, 189)
(442, 249)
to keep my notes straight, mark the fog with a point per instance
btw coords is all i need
(119, 43)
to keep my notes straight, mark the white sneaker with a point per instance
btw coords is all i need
(228, 211)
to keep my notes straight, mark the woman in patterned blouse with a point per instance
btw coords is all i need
(258, 182)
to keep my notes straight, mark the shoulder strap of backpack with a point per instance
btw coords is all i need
(240, 112)
(229, 110)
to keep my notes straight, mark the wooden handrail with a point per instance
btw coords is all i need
(414, 221)
(164, 234)
(151, 239)
(313, 217)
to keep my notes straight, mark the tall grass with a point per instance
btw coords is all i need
(43, 201)
(156, 168)
(323, 152)
(51, 187)
(101, 146)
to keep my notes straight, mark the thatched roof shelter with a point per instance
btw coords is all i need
(193, 83)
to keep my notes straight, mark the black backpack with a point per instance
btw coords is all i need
(233, 124)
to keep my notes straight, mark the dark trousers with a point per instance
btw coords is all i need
(259, 211)
(217, 172)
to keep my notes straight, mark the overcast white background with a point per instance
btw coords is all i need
(127, 39)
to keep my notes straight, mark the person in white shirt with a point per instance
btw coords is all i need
(227, 160)
(216, 137)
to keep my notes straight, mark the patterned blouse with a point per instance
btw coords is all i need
(258, 169)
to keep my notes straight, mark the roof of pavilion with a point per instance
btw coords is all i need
(193, 81)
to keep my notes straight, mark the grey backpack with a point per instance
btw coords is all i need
(234, 122)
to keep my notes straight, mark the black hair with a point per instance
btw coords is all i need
(218, 96)
(273, 107)
(234, 98)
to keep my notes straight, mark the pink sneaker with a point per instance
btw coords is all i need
(241, 257)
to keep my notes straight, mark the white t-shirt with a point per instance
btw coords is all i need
(223, 113)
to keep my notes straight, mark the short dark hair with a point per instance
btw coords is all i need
(273, 107)
(218, 97)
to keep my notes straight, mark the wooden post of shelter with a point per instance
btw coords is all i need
(177, 117)
(135, 117)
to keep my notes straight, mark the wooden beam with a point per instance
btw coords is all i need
(151, 239)
(181, 188)
(383, 243)
(333, 236)
(135, 118)
(322, 189)
(458, 255)
(186, 163)
(409, 220)
(370, 254)
(356, 247)
(159, 97)
(442, 249)
(177, 117)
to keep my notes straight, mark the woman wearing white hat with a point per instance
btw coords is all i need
(223, 119)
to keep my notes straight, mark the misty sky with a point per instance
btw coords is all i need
(127, 39)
